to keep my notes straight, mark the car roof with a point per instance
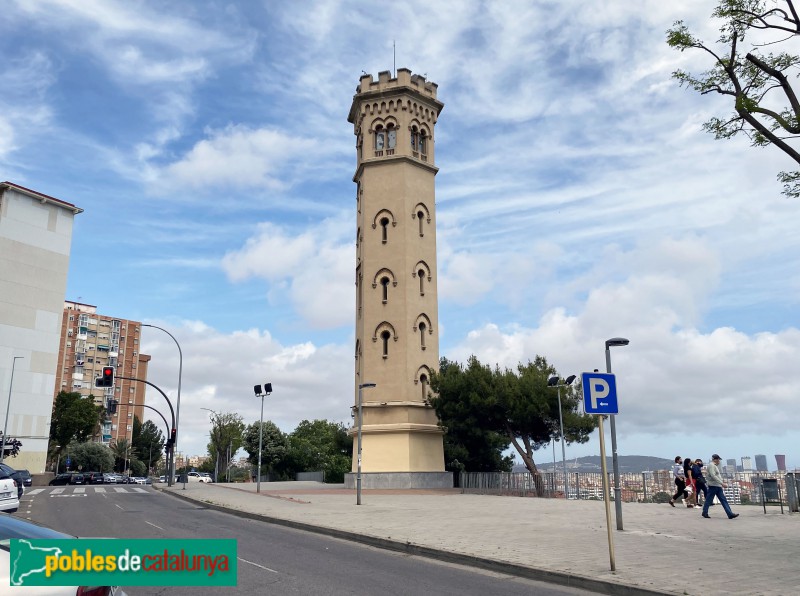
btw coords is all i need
(14, 527)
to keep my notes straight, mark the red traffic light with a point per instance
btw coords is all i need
(108, 371)
(107, 379)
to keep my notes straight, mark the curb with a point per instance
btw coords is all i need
(598, 586)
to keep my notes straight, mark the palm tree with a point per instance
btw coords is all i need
(121, 448)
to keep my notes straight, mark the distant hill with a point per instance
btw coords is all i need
(591, 463)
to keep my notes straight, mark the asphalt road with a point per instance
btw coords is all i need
(272, 559)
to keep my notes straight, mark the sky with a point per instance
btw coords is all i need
(578, 199)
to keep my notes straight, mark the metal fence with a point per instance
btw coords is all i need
(743, 488)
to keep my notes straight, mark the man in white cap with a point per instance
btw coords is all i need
(715, 485)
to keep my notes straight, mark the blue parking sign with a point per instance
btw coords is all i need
(599, 393)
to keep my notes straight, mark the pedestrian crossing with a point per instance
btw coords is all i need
(86, 491)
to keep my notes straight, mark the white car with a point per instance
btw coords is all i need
(9, 496)
(197, 476)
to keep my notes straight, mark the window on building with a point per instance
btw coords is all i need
(385, 289)
(380, 138)
(422, 335)
(421, 275)
(423, 380)
(385, 336)
(384, 229)
(421, 217)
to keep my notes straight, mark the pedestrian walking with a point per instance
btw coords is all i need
(691, 491)
(715, 486)
(680, 480)
(699, 481)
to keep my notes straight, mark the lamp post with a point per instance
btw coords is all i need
(8, 408)
(358, 474)
(556, 382)
(178, 407)
(267, 390)
(58, 458)
(215, 439)
(615, 342)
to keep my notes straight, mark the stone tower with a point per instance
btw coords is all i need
(397, 334)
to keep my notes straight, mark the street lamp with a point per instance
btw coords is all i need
(615, 342)
(556, 382)
(216, 446)
(358, 475)
(8, 408)
(178, 407)
(267, 390)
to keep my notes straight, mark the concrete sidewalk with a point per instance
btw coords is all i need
(661, 550)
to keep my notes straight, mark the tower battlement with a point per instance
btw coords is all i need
(404, 78)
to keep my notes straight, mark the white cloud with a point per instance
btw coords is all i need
(316, 265)
(236, 157)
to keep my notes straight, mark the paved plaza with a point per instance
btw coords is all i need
(661, 549)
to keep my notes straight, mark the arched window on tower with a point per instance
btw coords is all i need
(421, 218)
(385, 336)
(380, 138)
(423, 381)
(422, 329)
(423, 143)
(391, 137)
(384, 229)
(385, 289)
(421, 275)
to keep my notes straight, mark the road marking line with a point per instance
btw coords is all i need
(56, 491)
(256, 565)
(121, 490)
(80, 490)
(115, 505)
(155, 526)
(35, 491)
(99, 489)
(138, 490)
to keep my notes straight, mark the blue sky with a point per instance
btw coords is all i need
(578, 199)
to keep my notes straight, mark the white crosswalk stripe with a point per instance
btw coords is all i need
(87, 491)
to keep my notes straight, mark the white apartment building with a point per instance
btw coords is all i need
(35, 244)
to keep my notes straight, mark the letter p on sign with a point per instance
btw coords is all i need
(599, 393)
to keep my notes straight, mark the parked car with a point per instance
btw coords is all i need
(198, 477)
(162, 478)
(110, 478)
(7, 470)
(14, 527)
(77, 479)
(9, 499)
(26, 477)
(61, 479)
(93, 477)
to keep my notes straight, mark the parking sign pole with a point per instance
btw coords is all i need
(606, 494)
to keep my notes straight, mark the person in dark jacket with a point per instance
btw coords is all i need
(699, 480)
(680, 480)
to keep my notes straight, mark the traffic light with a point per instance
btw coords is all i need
(171, 440)
(106, 379)
(111, 408)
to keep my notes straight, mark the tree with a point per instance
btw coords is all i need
(320, 445)
(148, 442)
(275, 445)
(75, 418)
(125, 458)
(517, 404)
(91, 457)
(11, 447)
(227, 430)
(765, 106)
(457, 397)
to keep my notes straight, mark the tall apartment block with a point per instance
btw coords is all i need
(90, 341)
(761, 463)
(780, 460)
(747, 463)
